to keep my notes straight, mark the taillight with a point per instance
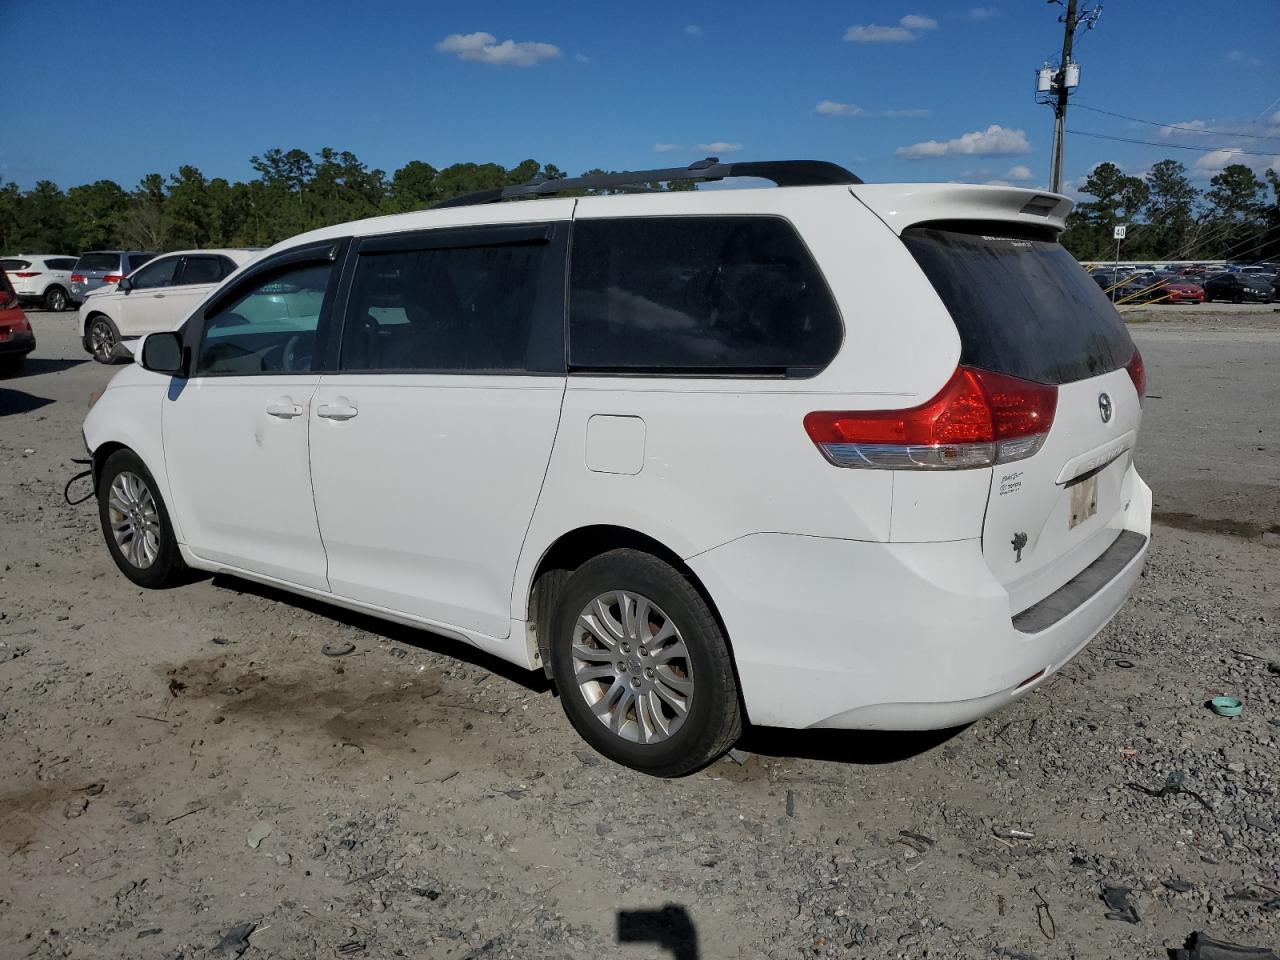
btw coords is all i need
(27, 273)
(113, 278)
(1137, 373)
(978, 419)
(77, 278)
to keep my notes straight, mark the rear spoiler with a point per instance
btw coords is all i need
(900, 205)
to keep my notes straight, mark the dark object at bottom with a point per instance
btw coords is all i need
(1117, 898)
(235, 941)
(1201, 947)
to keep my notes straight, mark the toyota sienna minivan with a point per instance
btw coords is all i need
(825, 455)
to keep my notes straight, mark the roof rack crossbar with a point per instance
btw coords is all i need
(783, 173)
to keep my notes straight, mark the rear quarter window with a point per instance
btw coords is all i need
(690, 296)
(1022, 304)
(60, 263)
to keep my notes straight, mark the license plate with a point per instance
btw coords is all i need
(1084, 501)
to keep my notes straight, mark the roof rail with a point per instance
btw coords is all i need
(783, 173)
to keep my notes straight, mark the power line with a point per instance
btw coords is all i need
(1178, 126)
(1172, 146)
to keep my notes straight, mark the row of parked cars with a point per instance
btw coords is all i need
(1191, 284)
(120, 294)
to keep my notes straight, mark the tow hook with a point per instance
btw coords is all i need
(66, 491)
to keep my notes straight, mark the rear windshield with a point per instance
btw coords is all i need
(14, 264)
(1023, 306)
(109, 262)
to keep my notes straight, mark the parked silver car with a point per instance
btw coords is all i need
(99, 267)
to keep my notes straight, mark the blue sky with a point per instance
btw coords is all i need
(895, 91)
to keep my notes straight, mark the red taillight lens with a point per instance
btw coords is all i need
(1137, 373)
(77, 278)
(27, 273)
(113, 278)
(979, 418)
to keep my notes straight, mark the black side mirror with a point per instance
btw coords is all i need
(124, 284)
(164, 353)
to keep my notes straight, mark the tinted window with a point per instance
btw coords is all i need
(157, 274)
(468, 308)
(60, 263)
(1022, 306)
(698, 295)
(14, 264)
(100, 263)
(138, 259)
(269, 326)
(202, 270)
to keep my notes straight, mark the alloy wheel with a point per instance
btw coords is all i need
(134, 519)
(56, 300)
(102, 340)
(632, 667)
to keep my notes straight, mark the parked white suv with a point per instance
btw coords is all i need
(827, 455)
(41, 278)
(156, 296)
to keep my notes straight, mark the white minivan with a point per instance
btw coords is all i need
(826, 455)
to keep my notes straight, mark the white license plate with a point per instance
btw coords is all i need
(1084, 501)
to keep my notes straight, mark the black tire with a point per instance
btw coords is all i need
(713, 722)
(10, 365)
(56, 299)
(100, 337)
(1237, 297)
(166, 567)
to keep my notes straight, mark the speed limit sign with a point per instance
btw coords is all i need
(1119, 232)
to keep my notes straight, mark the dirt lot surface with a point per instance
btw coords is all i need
(186, 774)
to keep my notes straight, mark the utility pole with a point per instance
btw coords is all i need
(1060, 107)
(1054, 86)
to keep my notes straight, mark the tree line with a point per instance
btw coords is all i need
(1169, 218)
(1237, 217)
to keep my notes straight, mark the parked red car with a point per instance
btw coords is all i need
(16, 336)
(1182, 291)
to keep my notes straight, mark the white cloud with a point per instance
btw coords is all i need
(1235, 56)
(718, 147)
(693, 30)
(665, 147)
(1275, 119)
(1213, 162)
(907, 29)
(1019, 171)
(582, 58)
(982, 13)
(915, 113)
(829, 108)
(1186, 126)
(483, 47)
(914, 21)
(998, 183)
(995, 141)
(1239, 56)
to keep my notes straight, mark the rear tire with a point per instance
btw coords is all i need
(642, 666)
(55, 299)
(1237, 298)
(135, 523)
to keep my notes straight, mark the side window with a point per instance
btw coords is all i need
(200, 270)
(138, 259)
(698, 296)
(226, 267)
(157, 274)
(487, 307)
(62, 263)
(267, 327)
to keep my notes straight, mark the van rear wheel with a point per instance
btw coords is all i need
(642, 666)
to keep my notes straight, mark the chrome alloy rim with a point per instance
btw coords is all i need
(101, 338)
(633, 667)
(134, 519)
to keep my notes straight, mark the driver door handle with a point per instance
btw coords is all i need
(284, 409)
(336, 411)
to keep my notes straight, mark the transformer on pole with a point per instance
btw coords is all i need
(1055, 82)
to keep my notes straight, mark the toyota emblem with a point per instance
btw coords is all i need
(1104, 407)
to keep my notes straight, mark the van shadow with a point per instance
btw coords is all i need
(13, 402)
(35, 366)
(670, 929)
(860, 747)
(533, 680)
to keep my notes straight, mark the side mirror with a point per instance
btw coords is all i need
(164, 353)
(124, 285)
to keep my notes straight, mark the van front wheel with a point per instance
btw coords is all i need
(642, 666)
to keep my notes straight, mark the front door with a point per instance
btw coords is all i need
(235, 432)
(430, 442)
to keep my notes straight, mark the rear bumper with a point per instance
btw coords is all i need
(18, 344)
(900, 636)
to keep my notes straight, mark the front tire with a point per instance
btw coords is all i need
(135, 523)
(102, 337)
(642, 666)
(55, 299)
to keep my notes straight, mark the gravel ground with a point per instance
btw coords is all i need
(186, 775)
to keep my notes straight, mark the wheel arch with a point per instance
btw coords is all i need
(574, 548)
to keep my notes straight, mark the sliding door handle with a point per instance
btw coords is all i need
(336, 411)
